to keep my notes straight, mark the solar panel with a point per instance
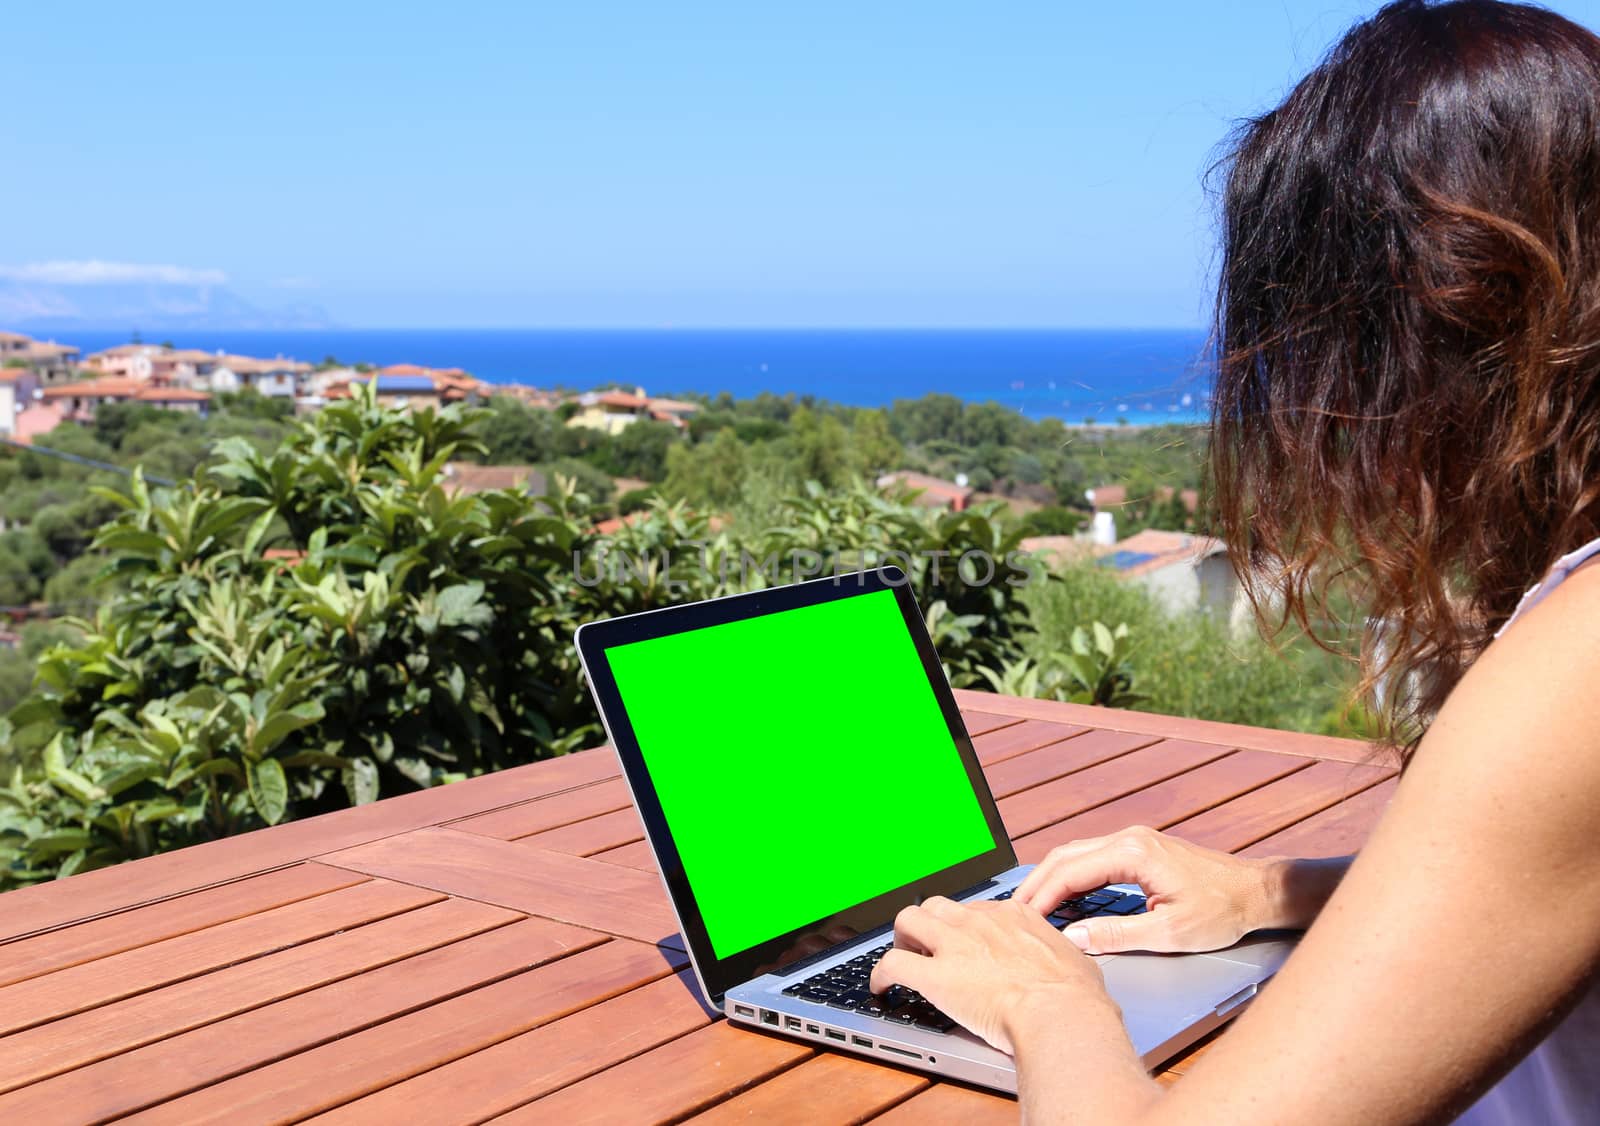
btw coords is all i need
(1122, 560)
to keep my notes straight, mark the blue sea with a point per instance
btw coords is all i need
(1139, 375)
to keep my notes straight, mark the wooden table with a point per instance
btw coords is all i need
(501, 948)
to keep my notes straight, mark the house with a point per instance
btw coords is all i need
(393, 390)
(933, 492)
(611, 411)
(36, 419)
(126, 361)
(50, 362)
(276, 378)
(1184, 573)
(17, 387)
(79, 400)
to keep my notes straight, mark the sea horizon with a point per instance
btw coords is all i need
(1138, 376)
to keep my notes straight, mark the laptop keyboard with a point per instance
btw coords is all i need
(845, 986)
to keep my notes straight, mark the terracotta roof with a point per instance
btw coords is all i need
(15, 337)
(624, 399)
(108, 387)
(1153, 549)
(933, 489)
(171, 395)
(11, 375)
(673, 406)
(50, 348)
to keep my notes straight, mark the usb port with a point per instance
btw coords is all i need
(861, 1041)
(835, 1035)
(744, 1011)
(792, 1023)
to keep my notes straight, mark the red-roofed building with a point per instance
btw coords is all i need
(933, 492)
(79, 400)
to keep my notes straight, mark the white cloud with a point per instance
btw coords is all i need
(95, 272)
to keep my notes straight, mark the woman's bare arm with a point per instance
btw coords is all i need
(1468, 922)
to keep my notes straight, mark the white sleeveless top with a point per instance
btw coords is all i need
(1558, 1083)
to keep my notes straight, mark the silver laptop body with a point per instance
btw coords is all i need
(1168, 1001)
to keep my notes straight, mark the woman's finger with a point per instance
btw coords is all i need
(902, 967)
(920, 930)
(1033, 879)
(1070, 875)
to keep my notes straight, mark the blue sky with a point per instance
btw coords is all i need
(647, 164)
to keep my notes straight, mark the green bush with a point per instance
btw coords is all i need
(399, 637)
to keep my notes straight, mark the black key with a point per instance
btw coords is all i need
(1066, 915)
(1101, 898)
(844, 1001)
(820, 996)
(935, 1022)
(794, 990)
(1004, 895)
(1129, 906)
(872, 1007)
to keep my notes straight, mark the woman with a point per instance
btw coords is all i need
(1407, 405)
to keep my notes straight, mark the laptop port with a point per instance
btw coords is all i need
(744, 1011)
(814, 1030)
(792, 1023)
(769, 1017)
(893, 1051)
(861, 1041)
(834, 1034)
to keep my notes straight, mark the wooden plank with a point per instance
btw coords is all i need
(1172, 727)
(1337, 831)
(516, 1071)
(1260, 813)
(946, 1104)
(1019, 738)
(324, 1058)
(590, 893)
(1034, 808)
(981, 722)
(531, 817)
(828, 1088)
(50, 1049)
(1054, 760)
(596, 834)
(76, 988)
(1167, 802)
(54, 904)
(636, 855)
(30, 957)
(666, 1083)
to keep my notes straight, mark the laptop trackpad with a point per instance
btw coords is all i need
(1163, 994)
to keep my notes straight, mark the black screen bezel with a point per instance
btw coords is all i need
(720, 974)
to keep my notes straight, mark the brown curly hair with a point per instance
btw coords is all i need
(1407, 402)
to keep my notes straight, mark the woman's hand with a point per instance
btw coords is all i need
(983, 963)
(1199, 899)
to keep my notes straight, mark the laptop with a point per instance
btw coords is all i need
(803, 773)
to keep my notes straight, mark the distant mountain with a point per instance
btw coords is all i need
(45, 307)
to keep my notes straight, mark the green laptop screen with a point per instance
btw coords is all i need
(801, 761)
